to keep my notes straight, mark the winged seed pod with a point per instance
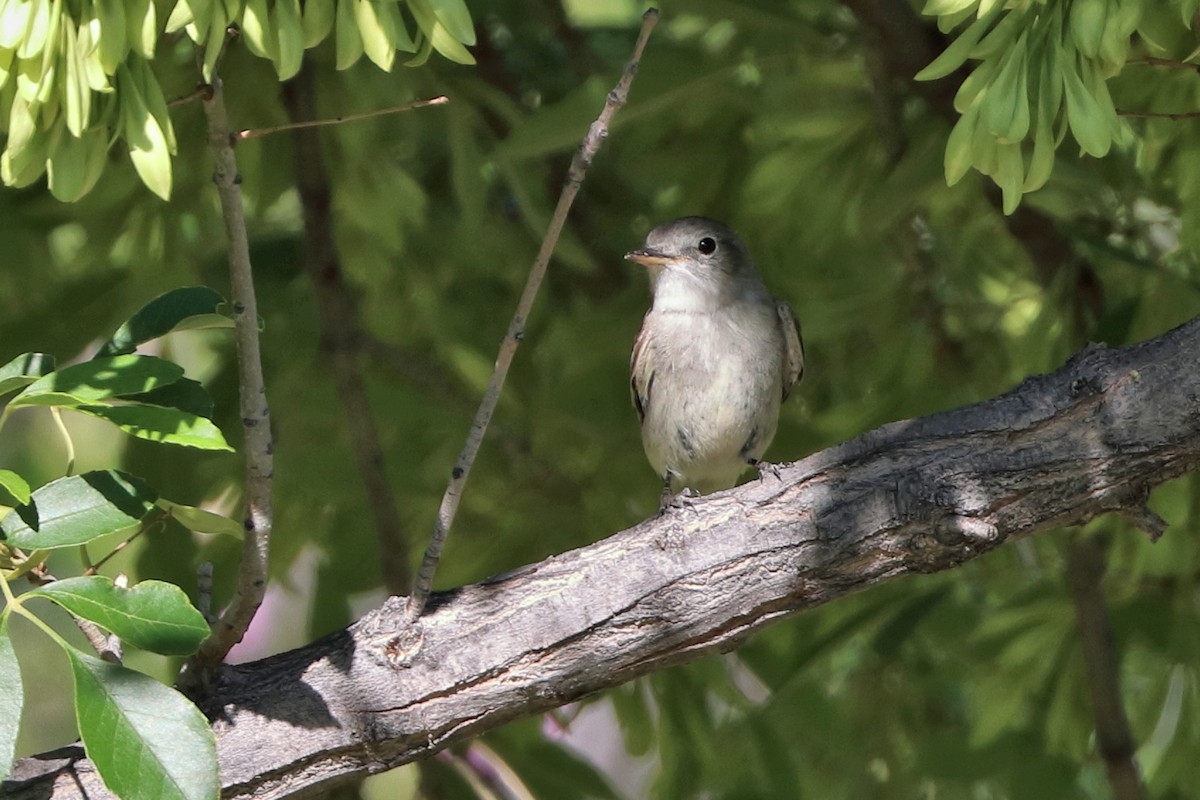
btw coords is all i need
(1086, 25)
(318, 21)
(1040, 70)
(256, 30)
(1006, 105)
(111, 37)
(1088, 120)
(289, 33)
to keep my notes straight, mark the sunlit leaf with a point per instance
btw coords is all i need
(161, 424)
(12, 698)
(76, 509)
(102, 378)
(453, 14)
(152, 615)
(15, 486)
(200, 520)
(24, 370)
(184, 394)
(146, 740)
(163, 314)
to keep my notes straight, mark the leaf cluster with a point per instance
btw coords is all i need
(76, 78)
(1043, 70)
(146, 740)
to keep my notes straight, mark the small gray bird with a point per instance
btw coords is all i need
(715, 357)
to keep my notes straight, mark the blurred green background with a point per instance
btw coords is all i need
(778, 119)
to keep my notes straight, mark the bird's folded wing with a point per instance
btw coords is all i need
(641, 373)
(793, 346)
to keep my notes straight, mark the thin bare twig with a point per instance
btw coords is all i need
(255, 414)
(254, 133)
(1175, 115)
(516, 329)
(341, 337)
(1085, 570)
(201, 92)
(107, 646)
(1169, 63)
(92, 569)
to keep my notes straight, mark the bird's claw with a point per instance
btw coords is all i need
(765, 467)
(684, 498)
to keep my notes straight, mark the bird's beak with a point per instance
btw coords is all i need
(651, 258)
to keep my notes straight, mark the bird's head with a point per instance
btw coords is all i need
(695, 263)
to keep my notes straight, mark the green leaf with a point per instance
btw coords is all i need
(161, 424)
(956, 54)
(436, 33)
(16, 487)
(101, 378)
(318, 21)
(200, 520)
(378, 36)
(256, 30)
(289, 36)
(633, 717)
(348, 40)
(454, 15)
(12, 698)
(184, 394)
(76, 509)
(153, 615)
(163, 314)
(149, 149)
(1089, 123)
(960, 153)
(24, 370)
(1006, 105)
(60, 399)
(146, 740)
(449, 47)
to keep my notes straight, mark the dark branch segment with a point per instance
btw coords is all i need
(919, 495)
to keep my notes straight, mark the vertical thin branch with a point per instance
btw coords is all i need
(516, 330)
(341, 337)
(1085, 569)
(255, 415)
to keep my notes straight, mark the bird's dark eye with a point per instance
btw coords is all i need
(707, 245)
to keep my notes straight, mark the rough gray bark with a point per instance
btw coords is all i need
(914, 496)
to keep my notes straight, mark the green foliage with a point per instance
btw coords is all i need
(153, 615)
(24, 370)
(12, 699)
(77, 509)
(15, 486)
(146, 740)
(1043, 69)
(99, 379)
(200, 520)
(75, 77)
(190, 308)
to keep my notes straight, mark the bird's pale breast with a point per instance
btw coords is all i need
(706, 420)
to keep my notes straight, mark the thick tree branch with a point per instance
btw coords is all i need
(915, 496)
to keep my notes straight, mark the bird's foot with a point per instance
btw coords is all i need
(765, 467)
(684, 498)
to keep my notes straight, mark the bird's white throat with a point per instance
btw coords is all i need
(682, 289)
